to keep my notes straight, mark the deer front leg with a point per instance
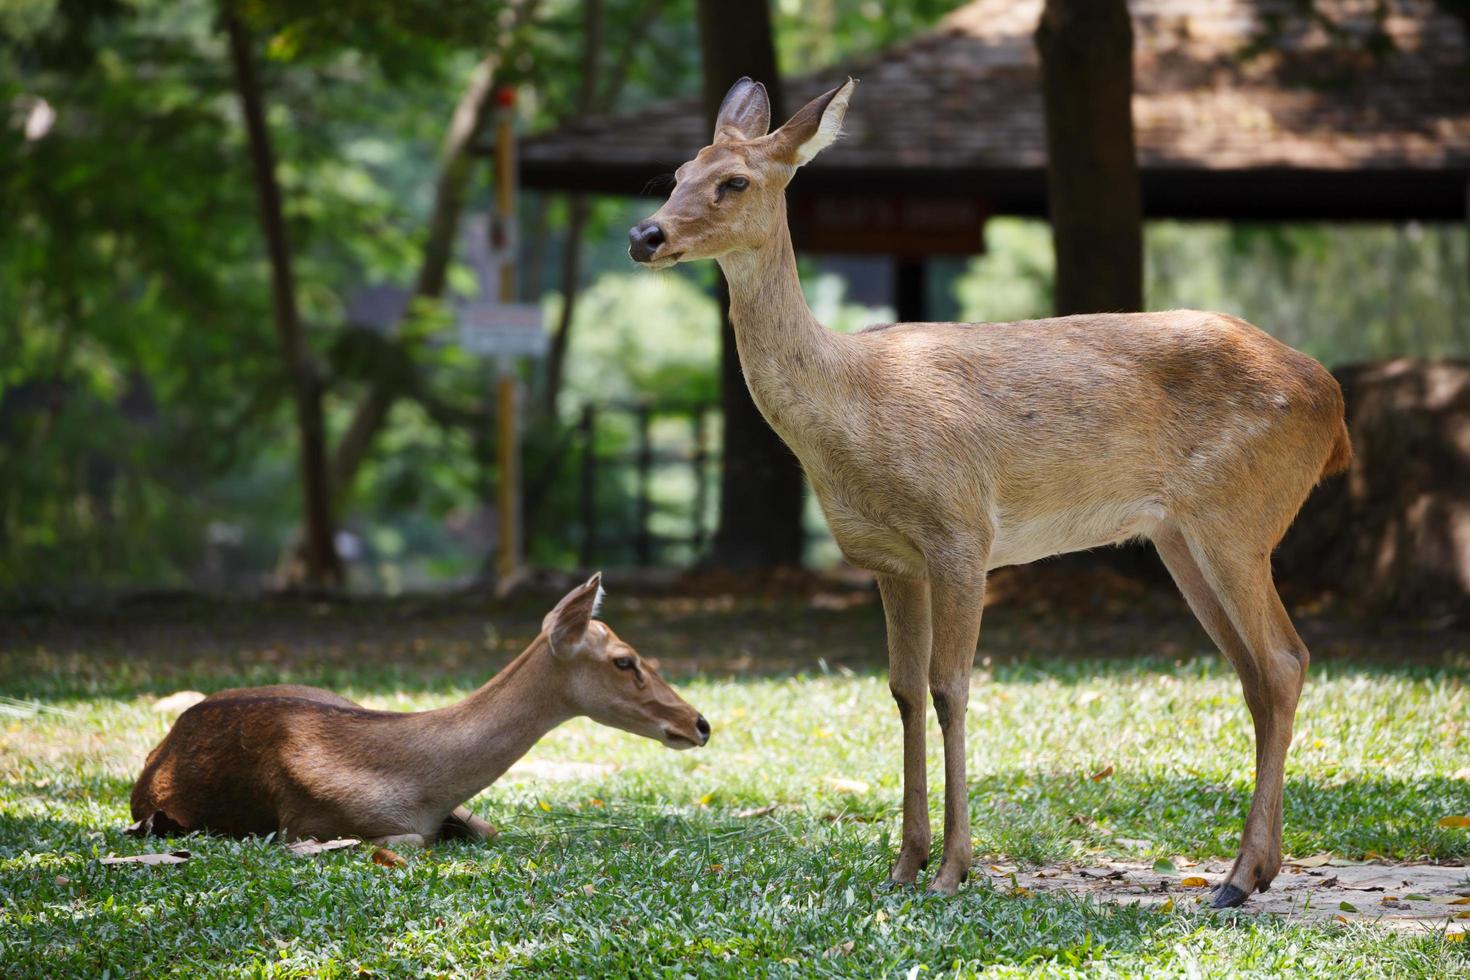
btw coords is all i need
(906, 610)
(957, 603)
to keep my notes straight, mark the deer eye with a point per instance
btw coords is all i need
(735, 184)
(623, 663)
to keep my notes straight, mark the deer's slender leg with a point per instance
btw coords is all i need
(906, 609)
(957, 601)
(1272, 662)
(461, 824)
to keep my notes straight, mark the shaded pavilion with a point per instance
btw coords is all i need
(1243, 110)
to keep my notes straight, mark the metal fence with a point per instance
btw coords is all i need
(686, 433)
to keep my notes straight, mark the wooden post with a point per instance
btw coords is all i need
(910, 290)
(508, 394)
(642, 544)
(589, 486)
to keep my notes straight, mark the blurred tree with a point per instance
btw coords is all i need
(322, 566)
(1086, 49)
(761, 489)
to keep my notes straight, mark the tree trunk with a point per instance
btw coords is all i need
(456, 163)
(322, 564)
(1086, 49)
(761, 493)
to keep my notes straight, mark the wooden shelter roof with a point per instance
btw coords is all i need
(1313, 124)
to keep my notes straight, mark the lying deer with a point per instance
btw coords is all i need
(302, 762)
(939, 451)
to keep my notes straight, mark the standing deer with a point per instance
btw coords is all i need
(303, 762)
(939, 451)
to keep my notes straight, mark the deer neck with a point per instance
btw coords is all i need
(468, 745)
(782, 347)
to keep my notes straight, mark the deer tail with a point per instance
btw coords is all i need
(1341, 454)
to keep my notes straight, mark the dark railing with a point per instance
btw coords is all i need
(641, 543)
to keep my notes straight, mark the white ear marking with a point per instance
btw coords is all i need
(830, 126)
(597, 601)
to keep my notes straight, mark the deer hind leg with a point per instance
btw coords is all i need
(957, 603)
(906, 611)
(461, 824)
(1231, 592)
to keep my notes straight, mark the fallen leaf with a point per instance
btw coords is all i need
(706, 798)
(594, 802)
(1020, 892)
(1347, 906)
(759, 811)
(715, 868)
(306, 848)
(841, 785)
(387, 858)
(1167, 907)
(1455, 821)
(1461, 901)
(1416, 897)
(589, 889)
(1454, 937)
(62, 881)
(1193, 881)
(172, 857)
(1163, 866)
(841, 949)
(1315, 861)
(1462, 915)
(882, 916)
(1341, 918)
(545, 806)
(1101, 774)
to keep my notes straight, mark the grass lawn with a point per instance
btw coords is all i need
(647, 862)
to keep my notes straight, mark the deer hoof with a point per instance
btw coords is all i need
(1227, 896)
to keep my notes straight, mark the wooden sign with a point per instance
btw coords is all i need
(904, 225)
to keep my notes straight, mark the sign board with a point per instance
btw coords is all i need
(889, 224)
(502, 329)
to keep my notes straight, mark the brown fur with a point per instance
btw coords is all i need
(941, 450)
(304, 762)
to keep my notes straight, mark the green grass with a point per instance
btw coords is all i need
(649, 869)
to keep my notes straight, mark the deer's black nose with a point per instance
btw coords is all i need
(702, 727)
(644, 238)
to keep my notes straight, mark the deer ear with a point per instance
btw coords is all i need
(815, 126)
(745, 114)
(566, 625)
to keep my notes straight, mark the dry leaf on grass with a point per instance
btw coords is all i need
(841, 785)
(1101, 774)
(1193, 881)
(306, 848)
(1454, 822)
(172, 857)
(759, 811)
(1315, 861)
(388, 859)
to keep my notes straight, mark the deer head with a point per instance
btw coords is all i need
(605, 679)
(731, 196)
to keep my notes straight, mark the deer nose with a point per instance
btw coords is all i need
(644, 238)
(702, 727)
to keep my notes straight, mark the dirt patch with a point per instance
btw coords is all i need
(1427, 898)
